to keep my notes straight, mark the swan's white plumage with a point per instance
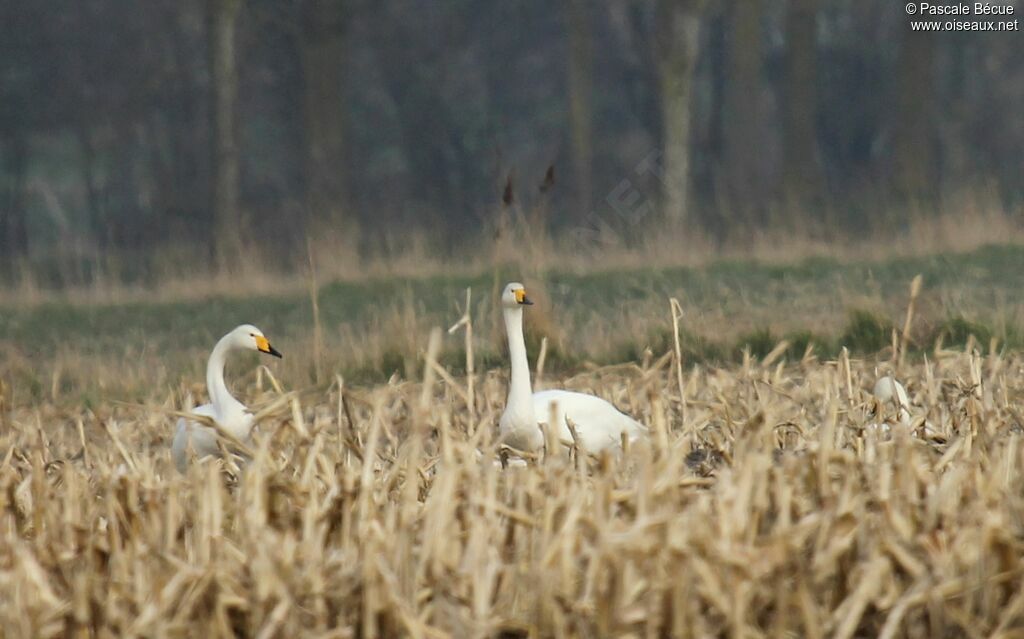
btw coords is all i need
(229, 413)
(204, 439)
(599, 425)
(888, 392)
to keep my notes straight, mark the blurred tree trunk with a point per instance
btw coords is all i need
(189, 185)
(710, 150)
(13, 227)
(580, 102)
(322, 44)
(801, 170)
(222, 16)
(741, 118)
(97, 219)
(676, 40)
(914, 173)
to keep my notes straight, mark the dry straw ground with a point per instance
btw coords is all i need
(768, 502)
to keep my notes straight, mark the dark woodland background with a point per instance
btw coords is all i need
(209, 129)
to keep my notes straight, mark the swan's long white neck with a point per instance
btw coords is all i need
(519, 393)
(220, 396)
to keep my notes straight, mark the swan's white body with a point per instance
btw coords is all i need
(229, 413)
(888, 391)
(599, 425)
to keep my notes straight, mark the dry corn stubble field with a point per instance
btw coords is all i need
(771, 500)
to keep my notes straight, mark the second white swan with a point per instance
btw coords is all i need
(599, 425)
(888, 391)
(229, 413)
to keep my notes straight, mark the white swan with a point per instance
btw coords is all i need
(886, 388)
(229, 413)
(598, 424)
(889, 391)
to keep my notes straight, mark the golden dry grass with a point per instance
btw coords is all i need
(967, 222)
(765, 504)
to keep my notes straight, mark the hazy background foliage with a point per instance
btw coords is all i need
(189, 133)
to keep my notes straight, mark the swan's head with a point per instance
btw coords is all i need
(248, 337)
(514, 296)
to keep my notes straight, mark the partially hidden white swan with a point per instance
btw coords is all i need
(229, 413)
(599, 425)
(889, 391)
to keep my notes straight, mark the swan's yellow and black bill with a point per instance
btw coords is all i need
(521, 297)
(263, 345)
